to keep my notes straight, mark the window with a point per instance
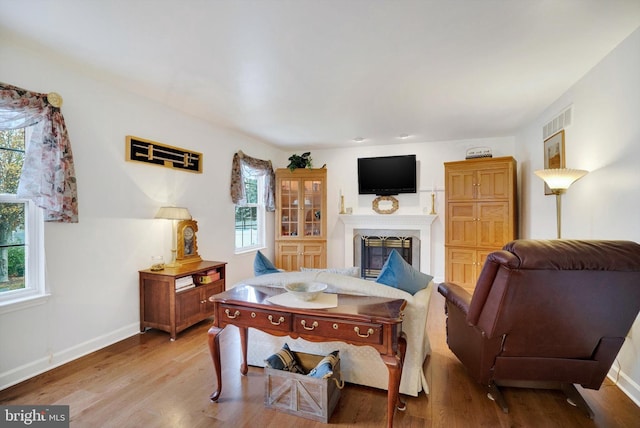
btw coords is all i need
(249, 224)
(252, 190)
(21, 227)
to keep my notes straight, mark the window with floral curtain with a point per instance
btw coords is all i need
(48, 175)
(252, 190)
(244, 166)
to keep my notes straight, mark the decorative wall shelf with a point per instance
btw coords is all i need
(150, 152)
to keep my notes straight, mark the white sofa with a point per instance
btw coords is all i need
(359, 364)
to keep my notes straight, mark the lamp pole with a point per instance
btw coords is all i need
(558, 211)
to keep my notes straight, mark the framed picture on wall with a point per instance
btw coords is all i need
(554, 154)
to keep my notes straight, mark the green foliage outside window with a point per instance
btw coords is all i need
(16, 261)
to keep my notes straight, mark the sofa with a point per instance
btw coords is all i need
(546, 314)
(360, 365)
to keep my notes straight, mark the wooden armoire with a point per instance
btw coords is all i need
(481, 214)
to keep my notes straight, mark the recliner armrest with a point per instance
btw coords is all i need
(456, 295)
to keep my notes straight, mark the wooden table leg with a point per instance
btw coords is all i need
(402, 350)
(243, 344)
(394, 364)
(395, 369)
(214, 350)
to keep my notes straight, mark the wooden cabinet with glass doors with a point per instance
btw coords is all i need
(480, 200)
(301, 202)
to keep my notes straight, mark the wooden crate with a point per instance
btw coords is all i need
(302, 395)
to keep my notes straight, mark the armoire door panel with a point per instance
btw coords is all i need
(461, 223)
(493, 184)
(461, 268)
(460, 185)
(493, 224)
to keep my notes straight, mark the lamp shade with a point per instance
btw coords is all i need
(173, 213)
(560, 179)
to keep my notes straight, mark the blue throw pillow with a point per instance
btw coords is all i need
(262, 265)
(397, 273)
(325, 366)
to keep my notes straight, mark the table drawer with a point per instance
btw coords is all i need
(345, 330)
(257, 318)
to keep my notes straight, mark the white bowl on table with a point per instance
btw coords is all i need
(306, 291)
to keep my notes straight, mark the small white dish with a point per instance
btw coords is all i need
(306, 291)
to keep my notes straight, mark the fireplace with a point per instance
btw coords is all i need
(374, 251)
(417, 227)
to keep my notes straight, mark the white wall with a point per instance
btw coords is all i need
(92, 267)
(604, 138)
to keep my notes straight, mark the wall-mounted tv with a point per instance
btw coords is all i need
(387, 175)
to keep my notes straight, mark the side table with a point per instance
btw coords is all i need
(165, 308)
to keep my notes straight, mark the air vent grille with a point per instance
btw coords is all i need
(558, 123)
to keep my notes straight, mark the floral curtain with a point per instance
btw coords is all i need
(245, 166)
(48, 175)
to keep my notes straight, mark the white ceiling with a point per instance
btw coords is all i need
(318, 73)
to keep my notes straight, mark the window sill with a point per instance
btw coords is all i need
(249, 250)
(23, 303)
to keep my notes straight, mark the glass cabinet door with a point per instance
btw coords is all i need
(301, 208)
(290, 202)
(312, 197)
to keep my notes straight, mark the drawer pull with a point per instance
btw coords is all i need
(253, 314)
(236, 314)
(357, 330)
(280, 320)
(313, 326)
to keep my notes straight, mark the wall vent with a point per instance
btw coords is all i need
(561, 121)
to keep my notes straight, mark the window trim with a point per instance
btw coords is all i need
(35, 291)
(35, 286)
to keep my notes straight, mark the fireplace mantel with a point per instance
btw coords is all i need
(418, 222)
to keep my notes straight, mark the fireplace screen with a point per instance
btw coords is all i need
(376, 249)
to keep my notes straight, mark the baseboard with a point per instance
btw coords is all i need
(34, 368)
(625, 383)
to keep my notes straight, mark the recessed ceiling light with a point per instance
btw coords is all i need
(404, 136)
(358, 139)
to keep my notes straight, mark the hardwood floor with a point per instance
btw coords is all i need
(148, 381)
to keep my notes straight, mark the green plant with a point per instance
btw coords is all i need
(302, 161)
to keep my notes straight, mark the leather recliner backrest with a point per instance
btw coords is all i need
(557, 298)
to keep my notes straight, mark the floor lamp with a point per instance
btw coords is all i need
(559, 180)
(174, 214)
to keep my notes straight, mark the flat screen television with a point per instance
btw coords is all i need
(387, 175)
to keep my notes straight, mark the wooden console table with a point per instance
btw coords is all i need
(357, 320)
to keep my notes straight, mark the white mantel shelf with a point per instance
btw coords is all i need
(415, 221)
(420, 222)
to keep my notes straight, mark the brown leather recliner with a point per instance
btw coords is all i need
(546, 314)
